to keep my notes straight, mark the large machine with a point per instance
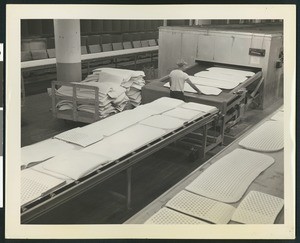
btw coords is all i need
(232, 103)
(255, 48)
(252, 45)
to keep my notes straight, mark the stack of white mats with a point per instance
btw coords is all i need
(112, 98)
(222, 78)
(75, 153)
(132, 81)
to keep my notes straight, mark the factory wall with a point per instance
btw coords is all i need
(33, 28)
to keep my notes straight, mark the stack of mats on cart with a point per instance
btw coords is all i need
(117, 88)
(214, 79)
(209, 198)
(76, 153)
(132, 81)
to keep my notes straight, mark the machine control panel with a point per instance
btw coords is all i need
(257, 52)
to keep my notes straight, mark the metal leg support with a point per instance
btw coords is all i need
(129, 172)
(202, 155)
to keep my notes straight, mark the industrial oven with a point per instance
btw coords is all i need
(256, 46)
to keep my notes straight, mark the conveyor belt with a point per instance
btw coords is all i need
(71, 190)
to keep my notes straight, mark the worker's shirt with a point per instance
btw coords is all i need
(178, 78)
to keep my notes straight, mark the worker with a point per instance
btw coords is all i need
(178, 78)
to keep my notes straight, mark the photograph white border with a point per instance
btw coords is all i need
(16, 12)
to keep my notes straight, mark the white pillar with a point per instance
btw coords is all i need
(165, 22)
(68, 50)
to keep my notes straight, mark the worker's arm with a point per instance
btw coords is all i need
(193, 85)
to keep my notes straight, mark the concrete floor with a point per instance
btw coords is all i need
(151, 177)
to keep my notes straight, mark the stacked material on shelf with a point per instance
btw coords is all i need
(131, 80)
(112, 97)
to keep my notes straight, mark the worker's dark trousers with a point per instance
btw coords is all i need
(177, 95)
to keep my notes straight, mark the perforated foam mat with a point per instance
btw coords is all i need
(204, 89)
(77, 136)
(199, 107)
(258, 208)
(169, 216)
(185, 114)
(201, 207)
(118, 122)
(34, 184)
(44, 150)
(278, 116)
(220, 76)
(126, 141)
(227, 179)
(163, 122)
(230, 71)
(75, 164)
(222, 84)
(269, 137)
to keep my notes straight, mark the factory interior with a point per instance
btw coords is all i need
(102, 141)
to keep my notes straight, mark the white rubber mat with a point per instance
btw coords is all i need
(230, 71)
(269, 137)
(79, 137)
(199, 107)
(201, 207)
(220, 76)
(75, 164)
(169, 216)
(258, 208)
(34, 184)
(278, 116)
(204, 89)
(184, 114)
(44, 150)
(222, 84)
(126, 141)
(163, 122)
(117, 122)
(164, 104)
(227, 179)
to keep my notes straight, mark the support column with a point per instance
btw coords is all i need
(68, 50)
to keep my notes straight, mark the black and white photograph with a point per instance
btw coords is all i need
(150, 121)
